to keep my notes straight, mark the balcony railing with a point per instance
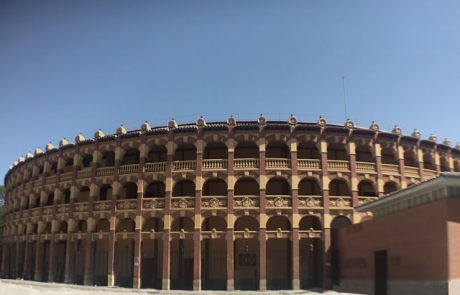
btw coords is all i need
(102, 205)
(105, 171)
(428, 173)
(308, 164)
(311, 201)
(214, 202)
(411, 171)
(128, 169)
(182, 202)
(84, 173)
(338, 202)
(153, 203)
(277, 163)
(246, 201)
(365, 167)
(81, 207)
(126, 204)
(390, 169)
(215, 164)
(64, 208)
(283, 201)
(155, 167)
(184, 165)
(66, 176)
(51, 179)
(338, 165)
(246, 163)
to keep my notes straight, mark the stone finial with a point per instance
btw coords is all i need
(38, 151)
(15, 163)
(231, 122)
(145, 127)
(374, 126)
(292, 120)
(98, 134)
(11, 167)
(349, 124)
(446, 142)
(321, 122)
(262, 120)
(29, 155)
(416, 133)
(172, 124)
(396, 130)
(79, 138)
(121, 130)
(433, 138)
(457, 146)
(200, 122)
(63, 142)
(49, 147)
(21, 159)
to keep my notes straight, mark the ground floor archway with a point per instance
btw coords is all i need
(279, 264)
(152, 263)
(214, 265)
(124, 263)
(310, 263)
(100, 262)
(246, 254)
(181, 264)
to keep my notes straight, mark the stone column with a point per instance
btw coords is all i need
(325, 174)
(166, 260)
(26, 266)
(111, 254)
(165, 285)
(137, 259)
(421, 164)
(378, 168)
(401, 166)
(3, 268)
(88, 276)
(230, 215)
(295, 259)
(262, 259)
(354, 179)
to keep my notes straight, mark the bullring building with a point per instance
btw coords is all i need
(219, 205)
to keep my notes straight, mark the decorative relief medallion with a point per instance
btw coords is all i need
(152, 204)
(309, 202)
(246, 202)
(340, 202)
(278, 202)
(183, 203)
(102, 206)
(213, 203)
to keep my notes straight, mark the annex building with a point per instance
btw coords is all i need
(250, 205)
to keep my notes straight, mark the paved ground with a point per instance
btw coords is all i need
(19, 287)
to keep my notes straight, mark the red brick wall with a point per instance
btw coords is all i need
(453, 229)
(415, 240)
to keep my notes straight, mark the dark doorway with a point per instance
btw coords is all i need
(381, 272)
(182, 264)
(279, 264)
(124, 263)
(60, 253)
(45, 261)
(310, 262)
(246, 264)
(152, 262)
(79, 263)
(214, 264)
(100, 262)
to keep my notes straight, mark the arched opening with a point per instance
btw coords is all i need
(215, 187)
(215, 150)
(152, 260)
(131, 157)
(129, 191)
(182, 256)
(82, 226)
(409, 158)
(100, 258)
(49, 199)
(337, 223)
(83, 195)
(60, 255)
(390, 187)
(53, 168)
(66, 195)
(155, 189)
(124, 255)
(309, 187)
(277, 149)
(279, 258)
(337, 152)
(63, 227)
(246, 255)
(108, 159)
(444, 165)
(389, 156)
(366, 189)
(310, 258)
(184, 188)
(86, 161)
(364, 154)
(105, 193)
(68, 165)
(428, 162)
(185, 152)
(246, 186)
(339, 187)
(246, 150)
(157, 154)
(214, 256)
(79, 261)
(307, 150)
(278, 186)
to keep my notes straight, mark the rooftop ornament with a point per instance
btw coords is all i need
(433, 138)
(172, 124)
(262, 121)
(374, 126)
(63, 142)
(49, 147)
(446, 142)
(98, 134)
(21, 159)
(79, 138)
(321, 122)
(292, 120)
(349, 124)
(38, 151)
(396, 130)
(29, 155)
(121, 130)
(457, 146)
(200, 123)
(231, 122)
(145, 127)
(416, 134)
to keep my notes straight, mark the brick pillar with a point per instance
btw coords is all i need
(354, 179)
(38, 261)
(111, 258)
(69, 260)
(378, 168)
(401, 166)
(230, 261)
(88, 276)
(137, 260)
(52, 264)
(166, 260)
(262, 259)
(295, 259)
(197, 260)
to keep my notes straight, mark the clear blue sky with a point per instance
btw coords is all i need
(71, 66)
